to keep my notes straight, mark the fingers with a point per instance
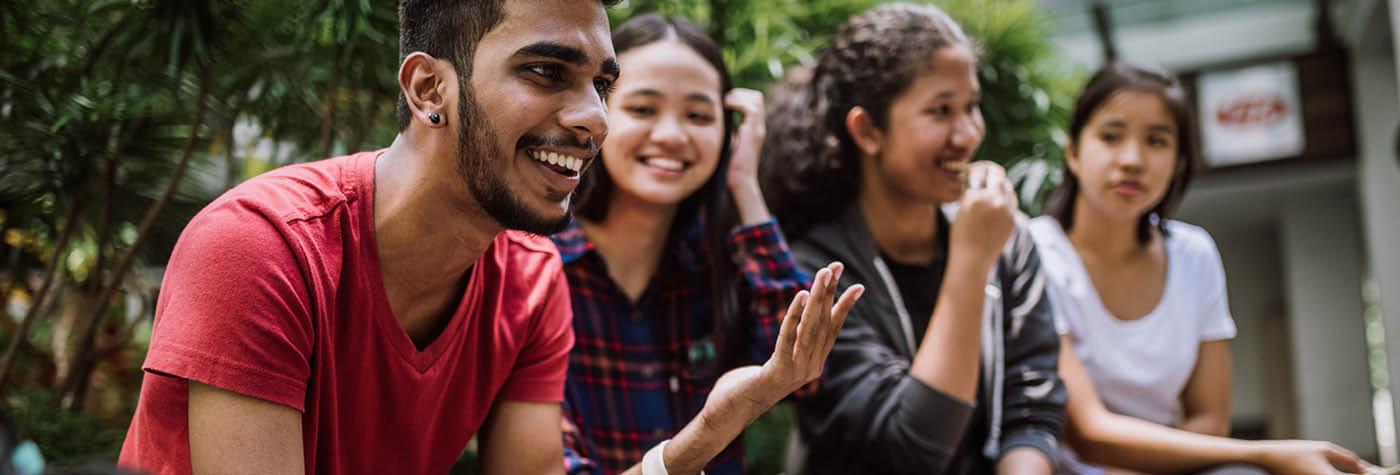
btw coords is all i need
(747, 101)
(812, 319)
(976, 177)
(838, 318)
(1345, 459)
(787, 332)
(816, 316)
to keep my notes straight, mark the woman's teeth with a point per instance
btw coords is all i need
(669, 164)
(558, 159)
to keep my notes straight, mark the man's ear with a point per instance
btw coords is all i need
(423, 82)
(861, 126)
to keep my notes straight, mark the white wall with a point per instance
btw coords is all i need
(1322, 285)
(1374, 75)
(1252, 270)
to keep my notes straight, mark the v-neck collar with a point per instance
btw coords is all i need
(372, 279)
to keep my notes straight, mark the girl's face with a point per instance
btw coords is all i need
(1126, 155)
(934, 129)
(665, 123)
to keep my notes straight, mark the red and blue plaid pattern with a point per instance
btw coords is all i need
(641, 370)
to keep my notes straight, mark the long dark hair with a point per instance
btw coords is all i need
(811, 164)
(1109, 80)
(711, 203)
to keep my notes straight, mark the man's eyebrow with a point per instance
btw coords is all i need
(610, 68)
(568, 54)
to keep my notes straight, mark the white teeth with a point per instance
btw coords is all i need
(558, 159)
(669, 164)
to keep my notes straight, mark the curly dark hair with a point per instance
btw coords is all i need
(1106, 82)
(811, 164)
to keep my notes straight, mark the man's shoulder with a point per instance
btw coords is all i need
(300, 191)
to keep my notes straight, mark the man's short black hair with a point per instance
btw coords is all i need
(447, 29)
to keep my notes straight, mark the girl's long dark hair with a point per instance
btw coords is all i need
(811, 166)
(711, 203)
(1112, 79)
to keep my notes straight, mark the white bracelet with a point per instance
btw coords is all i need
(653, 463)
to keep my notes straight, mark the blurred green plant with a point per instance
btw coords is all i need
(120, 120)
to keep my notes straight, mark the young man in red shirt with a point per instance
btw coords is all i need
(371, 313)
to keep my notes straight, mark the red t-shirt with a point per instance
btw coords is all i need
(274, 291)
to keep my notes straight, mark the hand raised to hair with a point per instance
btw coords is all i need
(986, 214)
(747, 143)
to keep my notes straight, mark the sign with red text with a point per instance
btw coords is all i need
(1250, 114)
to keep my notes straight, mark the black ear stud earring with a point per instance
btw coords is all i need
(434, 118)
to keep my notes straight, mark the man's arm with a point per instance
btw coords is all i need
(231, 433)
(522, 437)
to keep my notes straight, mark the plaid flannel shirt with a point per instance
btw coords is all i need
(641, 370)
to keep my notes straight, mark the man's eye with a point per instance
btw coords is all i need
(604, 87)
(549, 71)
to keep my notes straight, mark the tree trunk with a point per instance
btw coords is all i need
(75, 386)
(104, 228)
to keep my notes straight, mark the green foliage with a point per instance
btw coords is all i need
(106, 105)
(766, 440)
(67, 438)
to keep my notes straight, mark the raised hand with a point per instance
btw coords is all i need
(986, 214)
(805, 339)
(807, 334)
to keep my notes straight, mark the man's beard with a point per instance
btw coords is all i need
(476, 150)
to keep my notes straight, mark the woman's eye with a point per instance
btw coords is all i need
(941, 110)
(640, 111)
(700, 117)
(1109, 138)
(1158, 141)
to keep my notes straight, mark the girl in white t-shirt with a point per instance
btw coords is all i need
(1139, 299)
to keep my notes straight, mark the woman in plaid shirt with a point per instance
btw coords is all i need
(677, 270)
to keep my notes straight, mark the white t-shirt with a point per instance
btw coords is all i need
(1139, 367)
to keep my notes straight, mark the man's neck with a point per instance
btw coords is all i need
(429, 231)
